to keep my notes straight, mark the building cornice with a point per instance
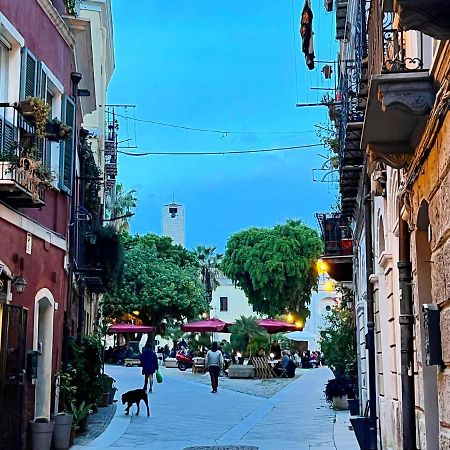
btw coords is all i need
(58, 21)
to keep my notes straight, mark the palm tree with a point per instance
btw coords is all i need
(245, 329)
(173, 332)
(119, 209)
(209, 268)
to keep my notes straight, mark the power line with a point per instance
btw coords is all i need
(229, 152)
(207, 130)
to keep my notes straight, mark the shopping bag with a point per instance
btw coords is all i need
(159, 377)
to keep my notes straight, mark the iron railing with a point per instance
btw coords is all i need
(336, 234)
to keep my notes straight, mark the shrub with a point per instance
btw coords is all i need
(338, 387)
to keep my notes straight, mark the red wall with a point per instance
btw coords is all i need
(44, 268)
(41, 37)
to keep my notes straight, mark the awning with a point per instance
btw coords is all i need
(130, 328)
(276, 326)
(204, 326)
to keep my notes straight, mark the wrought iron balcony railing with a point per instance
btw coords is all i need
(336, 234)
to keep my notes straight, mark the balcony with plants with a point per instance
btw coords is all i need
(24, 167)
(338, 245)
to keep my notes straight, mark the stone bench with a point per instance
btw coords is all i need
(171, 363)
(238, 371)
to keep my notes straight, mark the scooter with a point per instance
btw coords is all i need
(183, 361)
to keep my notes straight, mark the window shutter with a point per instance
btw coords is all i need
(67, 147)
(42, 84)
(9, 137)
(28, 74)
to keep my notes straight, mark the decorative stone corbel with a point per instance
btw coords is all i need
(394, 160)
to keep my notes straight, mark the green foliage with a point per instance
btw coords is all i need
(92, 174)
(337, 341)
(160, 280)
(338, 387)
(105, 382)
(275, 267)
(67, 389)
(257, 342)
(243, 331)
(173, 332)
(209, 268)
(85, 364)
(120, 206)
(79, 413)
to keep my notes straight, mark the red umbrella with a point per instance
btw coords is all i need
(130, 328)
(276, 326)
(211, 325)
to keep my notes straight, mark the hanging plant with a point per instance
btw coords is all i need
(39, 110)
(56, 131)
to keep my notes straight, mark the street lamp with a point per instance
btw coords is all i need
(322, 267)
(20, 283)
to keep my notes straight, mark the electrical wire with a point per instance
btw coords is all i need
(207, 130)
(229, 152)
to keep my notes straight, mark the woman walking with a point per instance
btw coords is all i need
(214, 363)
(149, 362)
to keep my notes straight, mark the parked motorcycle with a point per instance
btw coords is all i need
(184, 361)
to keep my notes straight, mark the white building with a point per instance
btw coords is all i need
(173, 222)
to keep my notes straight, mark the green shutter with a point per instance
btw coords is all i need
(29, 74)
(67, 147)
(42, 84)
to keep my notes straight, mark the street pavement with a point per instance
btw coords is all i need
(186, 414)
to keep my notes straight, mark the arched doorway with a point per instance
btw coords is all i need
(43, 343)
(423, 269)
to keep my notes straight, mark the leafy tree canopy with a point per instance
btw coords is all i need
(160, 280)
(275, 267)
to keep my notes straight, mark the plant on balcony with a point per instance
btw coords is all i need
(38, 110)
(92, 176)
(57, 131)
(328, 136)
(71, 7)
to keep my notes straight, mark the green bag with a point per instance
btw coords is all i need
(159, 377)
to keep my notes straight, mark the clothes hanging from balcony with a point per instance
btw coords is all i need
(306, 34)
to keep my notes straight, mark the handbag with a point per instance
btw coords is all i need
(159, 377)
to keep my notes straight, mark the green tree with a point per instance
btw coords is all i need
(275, 267)
(209, 268)
(243, 331)
(173, 332)
(337, 341)
(160, 280)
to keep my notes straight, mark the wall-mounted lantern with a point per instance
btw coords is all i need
(20, 284)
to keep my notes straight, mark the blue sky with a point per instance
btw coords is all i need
(220, 65)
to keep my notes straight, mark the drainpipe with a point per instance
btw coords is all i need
(406, 320)
(370, 337)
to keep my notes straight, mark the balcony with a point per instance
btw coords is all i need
(20, 183)
(338, 243)
(431, 17)
(400, 95)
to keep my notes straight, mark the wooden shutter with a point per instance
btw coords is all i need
(67, 147)
(29, 75)
(42, 84)
(9, 137)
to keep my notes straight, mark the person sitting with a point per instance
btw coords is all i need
(314, 360)
(282, 365)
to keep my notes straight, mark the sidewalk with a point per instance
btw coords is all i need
(185, 414)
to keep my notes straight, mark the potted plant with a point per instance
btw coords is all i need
(56, 131)
(64, 418)
(106, 384)
(337, 391)
(80, 415)
(41, 433)
(38, 111)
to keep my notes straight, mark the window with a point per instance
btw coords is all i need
(4, 70)
(173, 212)
(224, 303)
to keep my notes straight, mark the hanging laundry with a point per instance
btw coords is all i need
(306, 34)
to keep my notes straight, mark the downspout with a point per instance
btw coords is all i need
(370, 337)
(406, 321)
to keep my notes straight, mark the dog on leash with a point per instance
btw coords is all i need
(135, 396)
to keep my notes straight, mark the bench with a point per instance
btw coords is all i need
(262, 368)
(130, 362)
(240, 371)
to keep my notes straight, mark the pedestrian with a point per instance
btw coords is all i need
(149, 362)
(214, 363)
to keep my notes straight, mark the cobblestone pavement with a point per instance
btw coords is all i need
(185, 414)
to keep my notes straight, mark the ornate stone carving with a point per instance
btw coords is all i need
(415, 98)
(432, 17)
(394, 160)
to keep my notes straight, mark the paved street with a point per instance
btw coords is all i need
(186, 414)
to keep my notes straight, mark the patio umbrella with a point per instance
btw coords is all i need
(276, 326)
(208, 325)
(130, 328)
(301, 336)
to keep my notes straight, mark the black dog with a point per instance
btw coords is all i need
(135, 396)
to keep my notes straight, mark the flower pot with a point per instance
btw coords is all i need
(340, 403)
(104, 400)
(52, 132)
(361, 427)
(83, 425)
(353, 406)
(61, 432)
(41, 435)
(112, 393)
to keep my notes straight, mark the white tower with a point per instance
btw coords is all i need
(173, 222)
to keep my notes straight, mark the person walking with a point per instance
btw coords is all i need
(214, 363)
(149, 362)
